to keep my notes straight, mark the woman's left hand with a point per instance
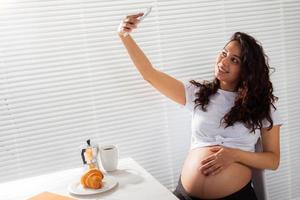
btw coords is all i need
(215, 163)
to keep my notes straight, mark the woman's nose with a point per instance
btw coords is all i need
(224, 61)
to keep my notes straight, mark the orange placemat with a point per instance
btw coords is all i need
(50, 196)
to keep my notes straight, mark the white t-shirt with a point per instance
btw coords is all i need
(206, 127)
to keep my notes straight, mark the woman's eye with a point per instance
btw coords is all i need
(234, 60)
(224, 54)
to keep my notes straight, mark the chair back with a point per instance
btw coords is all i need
(259, 177)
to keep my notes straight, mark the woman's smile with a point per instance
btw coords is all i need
(222, 70)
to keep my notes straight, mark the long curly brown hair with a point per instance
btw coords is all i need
(254, 90)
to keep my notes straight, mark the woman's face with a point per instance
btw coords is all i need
(228, 66)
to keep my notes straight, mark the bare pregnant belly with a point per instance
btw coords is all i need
(228, 181)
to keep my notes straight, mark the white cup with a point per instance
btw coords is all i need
(108, 156)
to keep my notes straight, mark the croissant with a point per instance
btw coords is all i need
(92, 179)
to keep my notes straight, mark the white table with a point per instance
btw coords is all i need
(134, 183)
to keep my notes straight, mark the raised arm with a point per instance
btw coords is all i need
(164, 83)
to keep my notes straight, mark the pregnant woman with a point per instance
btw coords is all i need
(229, 114)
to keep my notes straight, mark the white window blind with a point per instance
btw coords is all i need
(65, 77)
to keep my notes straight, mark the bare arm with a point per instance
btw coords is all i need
(269, 158)
(164, 83)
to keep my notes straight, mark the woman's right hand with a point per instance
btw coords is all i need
(129, 23)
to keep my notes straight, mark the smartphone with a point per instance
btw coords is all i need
(146, 13)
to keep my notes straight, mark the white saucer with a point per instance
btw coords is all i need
(108, 183)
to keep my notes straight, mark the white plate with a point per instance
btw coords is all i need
(77, 188)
